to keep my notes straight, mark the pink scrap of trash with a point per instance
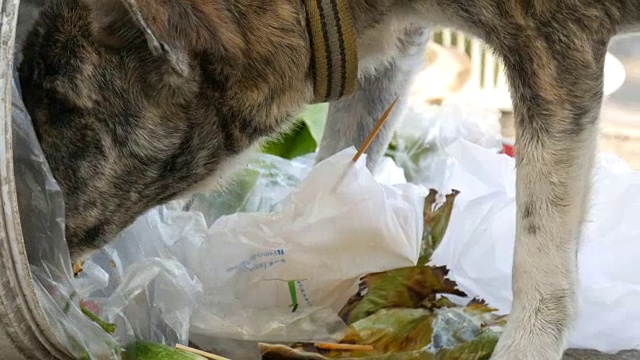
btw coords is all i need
(91, 306)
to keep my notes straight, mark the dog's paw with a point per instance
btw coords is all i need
(538, 326)
(520, 343)
(516, 353)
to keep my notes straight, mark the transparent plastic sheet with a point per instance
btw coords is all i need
(419, 145)
(42, 219)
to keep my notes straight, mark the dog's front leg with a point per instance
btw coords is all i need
(351, 120)
(557, 84)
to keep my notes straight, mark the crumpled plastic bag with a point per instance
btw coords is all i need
(278, 265)
(478, 246)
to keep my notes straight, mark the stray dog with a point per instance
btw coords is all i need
(136, 102)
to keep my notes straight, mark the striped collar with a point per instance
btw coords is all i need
(334, 53)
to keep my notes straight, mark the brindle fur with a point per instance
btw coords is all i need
(138, 101)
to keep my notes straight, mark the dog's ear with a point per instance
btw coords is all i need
(119, 23)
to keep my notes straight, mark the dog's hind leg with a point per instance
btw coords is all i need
(351, 120)
(556, 78)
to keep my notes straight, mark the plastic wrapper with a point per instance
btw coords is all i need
(478, 246)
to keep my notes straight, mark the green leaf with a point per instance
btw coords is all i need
(315, 116)
(400, 288)
(304, 137)
(297, 142)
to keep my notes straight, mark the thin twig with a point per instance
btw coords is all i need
(200, 352)
(375, 131)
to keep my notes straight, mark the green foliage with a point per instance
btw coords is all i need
(304, 138)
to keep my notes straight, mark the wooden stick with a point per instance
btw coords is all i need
(343, 347)
(375, 131)
(200, 352)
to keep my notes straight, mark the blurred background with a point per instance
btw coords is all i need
(460, 67)
(621, 111)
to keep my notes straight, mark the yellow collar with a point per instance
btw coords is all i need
(334, 52)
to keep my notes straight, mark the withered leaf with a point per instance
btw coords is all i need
(391, 331)
(436, 221)
(479, 348)
(279, 352)
(478, 307)
(442, 302)
(400, 288)
(403, 314)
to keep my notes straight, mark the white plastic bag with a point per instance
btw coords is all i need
(479, 243)
(336, 226)
(238, 271)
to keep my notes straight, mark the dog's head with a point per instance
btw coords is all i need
(136, 101)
